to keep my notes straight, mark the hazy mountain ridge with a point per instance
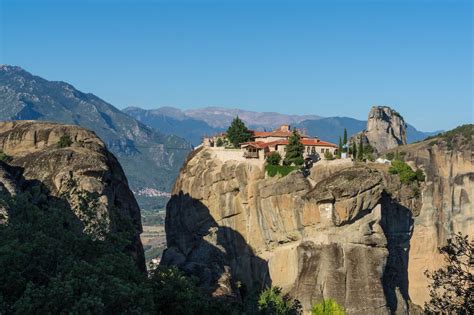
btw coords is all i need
(138, 147)
(195, 123)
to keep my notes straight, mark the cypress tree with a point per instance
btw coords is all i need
(294, 150)
(237, 132)
(354, 150)
(345, 137)
(360, 150)
(339, 149)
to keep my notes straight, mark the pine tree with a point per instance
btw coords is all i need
(237, 132)
(294, 150)
(339, 149)
(344, 142)
(360, 150)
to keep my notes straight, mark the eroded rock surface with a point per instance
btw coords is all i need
(337, 237)
(386, 129)
(84, 174)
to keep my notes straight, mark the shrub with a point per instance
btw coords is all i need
(327, 307)
(272, 302)
(389, 156)
(274, 158)
(65, 141)
(4, 157)
(282, 170)
(405, 172)
(219, 142)
(328, 156)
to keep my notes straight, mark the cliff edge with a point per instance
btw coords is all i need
(70, 164)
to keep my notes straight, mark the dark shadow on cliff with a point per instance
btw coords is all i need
(397, 223)
(36, 193)
(218, 255)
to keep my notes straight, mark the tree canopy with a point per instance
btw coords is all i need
(452, 287)
(294, 150)
(238, 132)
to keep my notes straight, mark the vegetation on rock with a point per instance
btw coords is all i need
(327, 307)
(329, 156)
(405, 172)
(452, 287)
(274, 158)
(273, 302)
(64, 141)
(281, 170)
(219, 142)
(237, 132)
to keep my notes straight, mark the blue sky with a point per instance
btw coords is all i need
(331, 58)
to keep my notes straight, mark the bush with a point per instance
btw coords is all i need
(4, 157)
(389, 156)
(274, 158)
(328, 155)
(282, 170)
(327, 307)
(65, 141)
(405, 172)
(272, 302)
(219, 142)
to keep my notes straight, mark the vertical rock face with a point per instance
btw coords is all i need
(83, 174)
(350, 232)
(386, 129)
(447, 206)
(335, 235)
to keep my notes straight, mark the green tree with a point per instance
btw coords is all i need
(272, 302)
(274, 158)
(339, 148)
(344, 142)
(327, 307)
(294, 150)
(360, 150)
(219, 142)
(452, 287)
(238, 132)
(354, 150)
(64, 141)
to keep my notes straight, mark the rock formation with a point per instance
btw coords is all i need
(344, 237)
(83, 173)
(351, 232)
(386, 129)
(447, 206)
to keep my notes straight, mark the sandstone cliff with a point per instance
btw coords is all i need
(386, 129)
(342, 233)
(83, 173)
(447, 196)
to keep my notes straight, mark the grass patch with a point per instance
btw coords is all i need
(281, 170)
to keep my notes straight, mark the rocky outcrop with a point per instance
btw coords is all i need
(447, 205)
(348, 231)
(386, 129)
(338, 235)
(82, 173)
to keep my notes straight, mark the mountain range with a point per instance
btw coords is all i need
(193, 124)
(151, 159)
(151, 145)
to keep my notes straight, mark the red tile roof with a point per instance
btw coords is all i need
(306, 142)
